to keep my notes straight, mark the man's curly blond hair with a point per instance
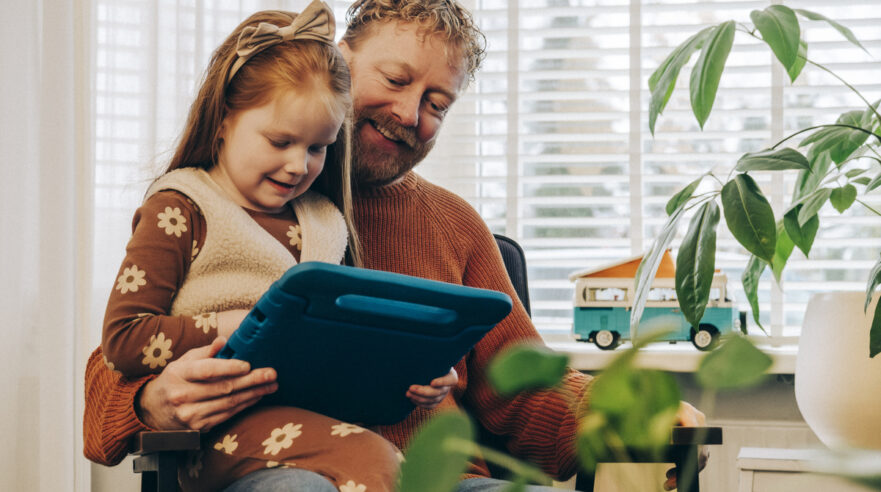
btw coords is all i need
(435, 17)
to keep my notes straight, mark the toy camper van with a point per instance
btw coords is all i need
(604, 299)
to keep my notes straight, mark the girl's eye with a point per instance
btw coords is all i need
(279, 144)
(318, 149)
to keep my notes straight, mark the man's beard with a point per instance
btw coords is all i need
(372, 167)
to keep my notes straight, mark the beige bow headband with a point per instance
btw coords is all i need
(316, 22)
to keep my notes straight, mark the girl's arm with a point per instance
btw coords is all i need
(139, 336)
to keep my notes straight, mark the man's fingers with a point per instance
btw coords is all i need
(211, 369)
(219, 388)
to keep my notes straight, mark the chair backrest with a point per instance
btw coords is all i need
(515, 263)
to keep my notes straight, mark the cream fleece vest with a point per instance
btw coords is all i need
(240, 260)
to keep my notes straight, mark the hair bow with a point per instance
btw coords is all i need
(315, 22)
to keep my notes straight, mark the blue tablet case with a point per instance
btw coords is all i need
(348, 342)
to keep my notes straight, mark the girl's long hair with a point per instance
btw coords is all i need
(299, 65)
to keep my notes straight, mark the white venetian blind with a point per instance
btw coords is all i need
(553, 148)
(551, 144)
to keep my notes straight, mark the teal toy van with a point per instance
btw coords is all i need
(604, 300)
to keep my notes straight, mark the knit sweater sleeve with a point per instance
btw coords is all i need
(140, 336)
(540, 426)
(109, 419)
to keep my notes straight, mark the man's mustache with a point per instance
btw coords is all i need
(389, 125)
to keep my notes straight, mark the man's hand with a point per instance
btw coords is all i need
(430, 396)
(688, 417)
(198, 391)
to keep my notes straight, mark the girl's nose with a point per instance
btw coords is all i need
(296, 163)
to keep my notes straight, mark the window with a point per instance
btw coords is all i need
(550, 144)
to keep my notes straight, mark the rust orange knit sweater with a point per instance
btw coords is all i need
(415, 228)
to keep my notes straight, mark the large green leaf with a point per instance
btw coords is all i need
(663, 80)
(808, 182)
(839, 141)
(874, 280)
(782, 251)
(876, 182)
(807, 14)
(525, 367)
(875, 332)
(736, 364)
(707, 71)
(795, 70)
(773, 160)
(437, 456)
(750, 279)
(812, 204)
(648, 267)
(801, 234)
(749, 216)
(780, 30)
(843, 197)
(696, 262)
(683, 195)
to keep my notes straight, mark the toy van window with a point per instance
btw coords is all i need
(715, 293)
(662, 294)
(608, 294)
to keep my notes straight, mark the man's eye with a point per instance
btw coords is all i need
(395, 82)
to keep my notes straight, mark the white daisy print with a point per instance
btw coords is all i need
(206, 321)
(131, 279)
(228, 445)
(282, 438)
(276, 464)
(172, 221)
(296, 236)
(351, 486)
(110, 365)
(195, 251)
(157, 352)
(345, 429)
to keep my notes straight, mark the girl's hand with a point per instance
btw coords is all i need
(228, 321)
(430, 396)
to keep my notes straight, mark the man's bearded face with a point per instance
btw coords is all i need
(377, 165)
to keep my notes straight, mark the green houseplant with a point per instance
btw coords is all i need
(836, 163)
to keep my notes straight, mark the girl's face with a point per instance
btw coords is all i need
(272, 153)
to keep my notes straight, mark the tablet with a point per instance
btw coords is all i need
(348, 342)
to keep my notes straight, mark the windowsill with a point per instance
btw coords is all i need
(678, 357)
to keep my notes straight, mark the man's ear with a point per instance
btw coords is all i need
(346, 51)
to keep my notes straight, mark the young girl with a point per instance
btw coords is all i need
(256, 184)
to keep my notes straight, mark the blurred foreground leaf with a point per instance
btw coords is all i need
(736, 364)
(525, 367)
(436, 458)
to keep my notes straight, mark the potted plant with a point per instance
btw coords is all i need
(837, 163)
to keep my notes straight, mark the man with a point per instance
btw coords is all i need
(409, 61)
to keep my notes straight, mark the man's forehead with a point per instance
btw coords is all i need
(422, 37)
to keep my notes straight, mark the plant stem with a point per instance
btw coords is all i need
(867, 206)
(829, 125)
(855, 91)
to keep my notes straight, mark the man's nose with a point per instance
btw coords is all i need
(406, 109)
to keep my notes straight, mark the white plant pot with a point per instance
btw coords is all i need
(837, 385)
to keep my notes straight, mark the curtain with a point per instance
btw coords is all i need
(43, 194)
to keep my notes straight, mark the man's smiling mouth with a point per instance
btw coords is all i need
(387, 134)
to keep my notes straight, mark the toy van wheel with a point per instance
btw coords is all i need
(705, 338)
(606, 340)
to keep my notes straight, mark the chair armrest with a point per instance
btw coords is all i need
(685, 436)
(157, 441)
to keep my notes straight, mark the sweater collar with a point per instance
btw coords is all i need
(409, 182)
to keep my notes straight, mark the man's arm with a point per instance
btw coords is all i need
(109, 420)
(196, 392)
